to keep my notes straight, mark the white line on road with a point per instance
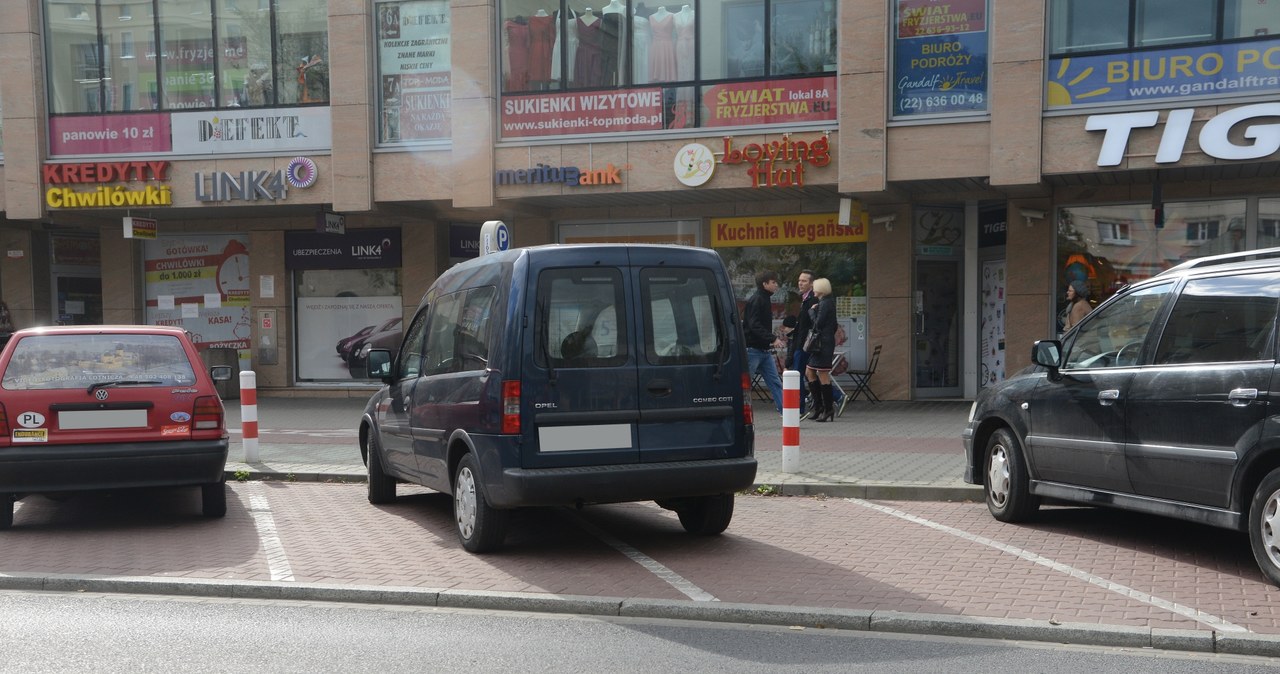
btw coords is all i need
(1137, 595)
(265, 523)
(671, 577)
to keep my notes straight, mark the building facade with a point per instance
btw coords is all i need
(286, 177)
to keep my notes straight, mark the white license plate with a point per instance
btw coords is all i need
(578, 438)
(90, 419)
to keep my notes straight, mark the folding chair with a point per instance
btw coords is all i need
(862, 378)
(839, 366)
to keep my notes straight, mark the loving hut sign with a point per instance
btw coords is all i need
(780, 163)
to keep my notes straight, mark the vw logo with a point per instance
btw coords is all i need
(100, 394)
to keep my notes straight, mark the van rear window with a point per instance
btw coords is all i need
(682, 317)
(76, 361)
(581, 319)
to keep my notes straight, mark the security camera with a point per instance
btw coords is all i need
(1032, 213)
(884, 219)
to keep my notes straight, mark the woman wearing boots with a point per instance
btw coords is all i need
(818, 371)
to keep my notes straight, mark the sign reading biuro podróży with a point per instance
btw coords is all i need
(940, 58)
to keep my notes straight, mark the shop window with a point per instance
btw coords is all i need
(414, 54)
(675, 55)
(1109, 246)
(267, 53)
(1163, 22)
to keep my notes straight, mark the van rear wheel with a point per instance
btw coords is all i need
(481, 528)
(706, 515)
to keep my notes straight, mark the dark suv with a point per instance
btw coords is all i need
(1159, 402)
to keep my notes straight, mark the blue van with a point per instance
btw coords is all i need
(568, 375)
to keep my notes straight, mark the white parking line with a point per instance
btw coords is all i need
(672, 578)
(265, 523)
(1137, 595)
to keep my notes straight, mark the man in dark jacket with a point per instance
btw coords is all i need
(796, 356)
(757, 325)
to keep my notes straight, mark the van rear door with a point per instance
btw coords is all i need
(689, 369)
(580, 391)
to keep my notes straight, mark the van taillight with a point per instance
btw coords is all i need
(207, 414)
(748, 417)
(511, 407)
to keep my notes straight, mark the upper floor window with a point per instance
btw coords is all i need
(1113, 232)
(136, 55)
(1202, 230)
(1088, 26)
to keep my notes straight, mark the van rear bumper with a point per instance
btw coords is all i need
(621, 483)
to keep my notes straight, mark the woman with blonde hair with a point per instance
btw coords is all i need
(822, 350)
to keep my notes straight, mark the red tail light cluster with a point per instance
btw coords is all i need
(511, 407)
(208, 414)
(748, 417)
(4, 422)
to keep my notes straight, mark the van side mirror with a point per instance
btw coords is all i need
(378, 364)
(1048, 353)
(220, 372)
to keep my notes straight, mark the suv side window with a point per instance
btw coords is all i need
(1113, 335)
(437, 358)
(581, 318)
(681, 317)
(1221, 319)
(411, 351)
(471, 339)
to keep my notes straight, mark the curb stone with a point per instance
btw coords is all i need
(1234, 643)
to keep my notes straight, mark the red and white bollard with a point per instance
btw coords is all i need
(790, 421)
(249, 415)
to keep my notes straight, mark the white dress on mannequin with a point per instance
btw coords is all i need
(684, 43)
(640, 37)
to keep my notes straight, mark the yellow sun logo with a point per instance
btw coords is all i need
(1060, 92)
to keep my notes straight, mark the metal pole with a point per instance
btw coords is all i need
(249, 415)
(790, 421)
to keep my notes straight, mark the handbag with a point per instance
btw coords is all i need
(812, 341)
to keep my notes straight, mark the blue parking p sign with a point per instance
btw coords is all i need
(494, 237)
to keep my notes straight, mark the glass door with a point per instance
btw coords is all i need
(938, 324)
(78, 299)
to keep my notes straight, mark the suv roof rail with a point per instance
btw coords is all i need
(1225, 258)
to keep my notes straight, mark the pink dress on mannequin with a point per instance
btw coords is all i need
(684, 43)
(662, 48)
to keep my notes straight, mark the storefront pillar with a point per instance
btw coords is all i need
(889, 299)
(1031, 277)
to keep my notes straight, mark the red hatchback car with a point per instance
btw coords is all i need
(109, 407)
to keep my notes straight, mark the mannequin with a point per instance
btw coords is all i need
(542, 38)
(588, 67)
(540, 12)
(614, 7)
(662, 47)
(640, 39)
(588, 17)
(613, 17)
(684, 27)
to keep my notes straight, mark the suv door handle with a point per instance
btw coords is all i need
(1241, 397)
(659, 387)
(1108, 397)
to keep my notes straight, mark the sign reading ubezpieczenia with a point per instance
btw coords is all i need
(414, 58)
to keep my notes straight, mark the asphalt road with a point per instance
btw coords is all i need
(54, 632)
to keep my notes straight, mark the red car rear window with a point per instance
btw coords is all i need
(77, 361)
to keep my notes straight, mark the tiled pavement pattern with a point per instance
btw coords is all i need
(1111, 572)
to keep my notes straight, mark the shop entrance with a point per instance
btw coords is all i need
(77, 299)
(937, 328)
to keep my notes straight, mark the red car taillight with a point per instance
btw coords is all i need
(748, 417)
(511, 407)
(4, 422)
(207, 415)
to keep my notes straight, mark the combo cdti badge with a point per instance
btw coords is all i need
(567, 375)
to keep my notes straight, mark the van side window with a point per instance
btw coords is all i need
(411, 351)
(1222, 319)
(457, 332)
(1113, 335)
(581, 318)
(682, 319)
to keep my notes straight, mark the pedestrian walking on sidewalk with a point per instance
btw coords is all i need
(757, 325)
(821, 349)
(797, 358)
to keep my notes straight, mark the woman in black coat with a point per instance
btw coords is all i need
(822, 351)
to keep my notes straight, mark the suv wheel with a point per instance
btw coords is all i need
(706, 515)
(1009, 496)
(481, 528)
(382, 487)
(1264, 526)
